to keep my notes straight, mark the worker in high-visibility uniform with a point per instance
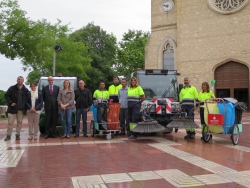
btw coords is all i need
(114, 88)
(135, 98)
(189, 102)
(206, 93)
(102, 96)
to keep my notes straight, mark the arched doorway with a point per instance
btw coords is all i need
(232, 80)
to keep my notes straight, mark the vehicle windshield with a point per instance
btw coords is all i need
(159, 86)
(58, 82)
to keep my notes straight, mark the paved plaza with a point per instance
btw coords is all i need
(152, 161)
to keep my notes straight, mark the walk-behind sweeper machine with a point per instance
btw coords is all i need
(160, 110)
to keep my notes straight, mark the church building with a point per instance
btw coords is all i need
(204, 40)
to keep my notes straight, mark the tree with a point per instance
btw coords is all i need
(131, 52)
(34, 41)
(102, 51)
(2, 98)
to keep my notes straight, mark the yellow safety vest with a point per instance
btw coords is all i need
(188, 96)
(101, 95)
(113, 90)
(135, 93)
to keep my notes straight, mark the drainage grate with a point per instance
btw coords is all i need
(88, 181)
(212, 179)
(178, 178)
(116, 178)
(146, 175)
(10, 158)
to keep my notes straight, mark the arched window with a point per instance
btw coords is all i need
(168, 57)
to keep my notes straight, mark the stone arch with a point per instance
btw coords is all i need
(232, 80)
(163, 43)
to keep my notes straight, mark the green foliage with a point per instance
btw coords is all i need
(34, 42)
(2, 98)
(102, 51)
(131, 52)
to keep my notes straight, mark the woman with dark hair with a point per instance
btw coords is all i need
(135, 98)
(66, 104)
(206, 93)
(34, 105)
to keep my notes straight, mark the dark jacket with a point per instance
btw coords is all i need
(83, 98)
(38, 103)
(50, 101)
(11, 96)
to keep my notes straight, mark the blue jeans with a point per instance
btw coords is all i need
(67, 120)
(81, 112)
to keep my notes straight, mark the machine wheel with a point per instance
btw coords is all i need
(108, 136)
(92, 128)
(206, 134)
(42, 129)
(235, 135)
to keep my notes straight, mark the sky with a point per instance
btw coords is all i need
(113, 16)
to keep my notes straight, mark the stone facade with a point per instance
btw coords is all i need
(202, 38)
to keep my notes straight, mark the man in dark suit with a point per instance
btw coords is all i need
(50, 93)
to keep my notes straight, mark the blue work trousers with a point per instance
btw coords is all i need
(190, 114)
(134, 114)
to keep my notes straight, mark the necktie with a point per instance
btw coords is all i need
(50, 90)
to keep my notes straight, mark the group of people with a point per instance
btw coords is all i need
(190, 100)
(20, 100)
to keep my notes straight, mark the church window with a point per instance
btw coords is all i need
(168, 57)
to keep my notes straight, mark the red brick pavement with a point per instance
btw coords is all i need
(55, 165)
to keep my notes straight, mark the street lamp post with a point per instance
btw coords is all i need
(58, 47)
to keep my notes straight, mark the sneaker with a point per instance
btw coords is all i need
(128, 133)
(30, 137)
(121, 133)
(76, 135)
(187, 136)
(17, 137)
(35, 137)
(192, 136)
(85, 135)
(132, 137)
(7, 138)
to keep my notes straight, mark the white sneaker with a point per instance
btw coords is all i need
(30, 137)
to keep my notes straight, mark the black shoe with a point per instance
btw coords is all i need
(85, 135)
(187, 136)
(46, 136)
(53, 136)
(17, 137)
(121, 133)
(128, 133)
(7, 138)
(76, 135)
(176, 130)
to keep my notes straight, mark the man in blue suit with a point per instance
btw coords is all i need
(50, 93)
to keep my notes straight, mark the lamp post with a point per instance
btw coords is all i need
(58, 47)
